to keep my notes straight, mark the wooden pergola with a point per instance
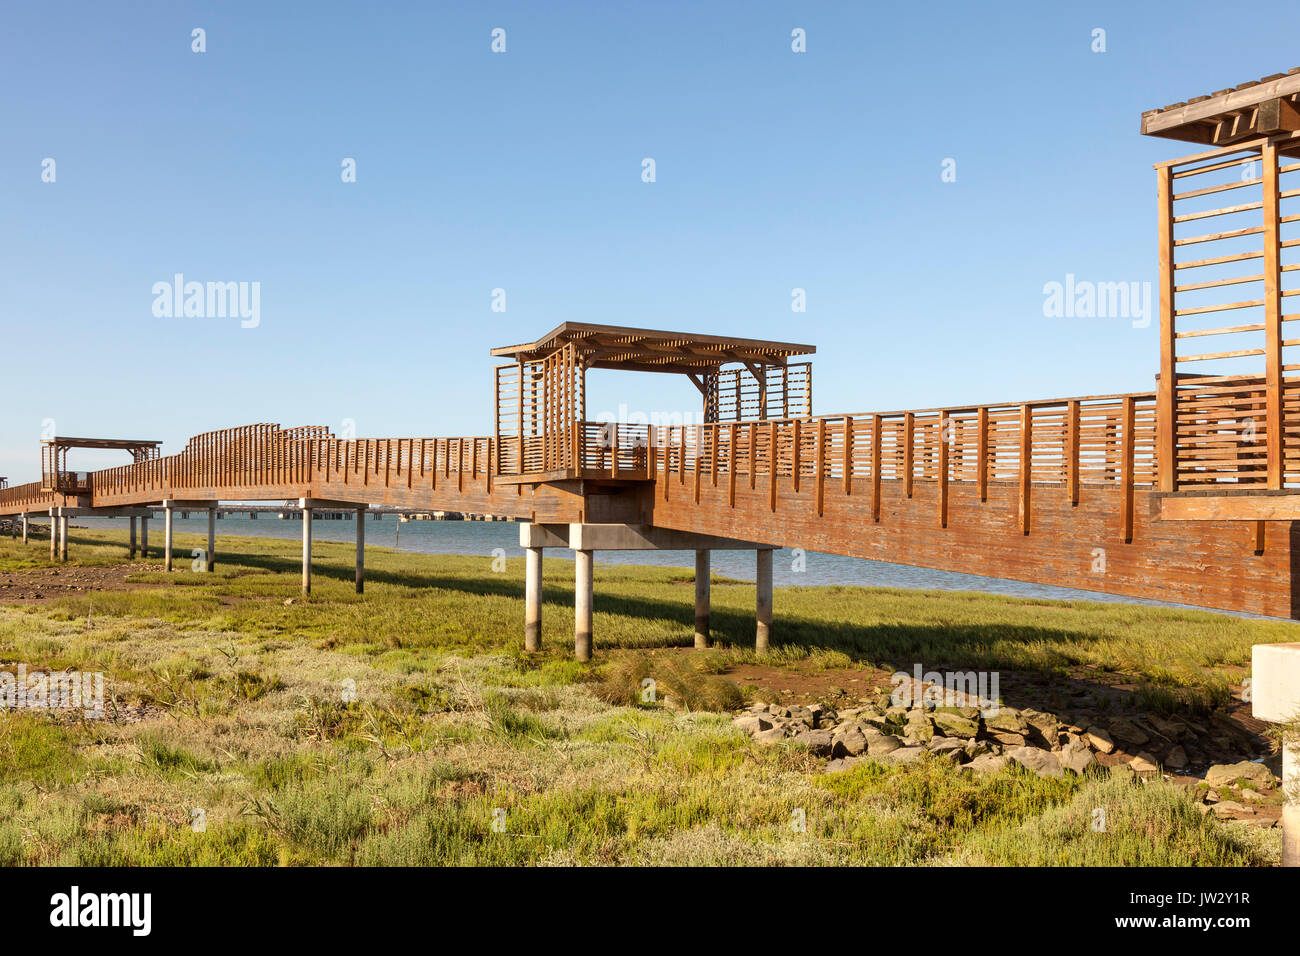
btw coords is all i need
(1226, 406)
(55, 475)
(541, 409)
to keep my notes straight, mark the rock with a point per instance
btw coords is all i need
(1228, 808)
(818, 741)
(1043, 728)
(955, 725)
(880, 744)
(1252, 796)
(1010, 740)
(1144, 763)
(842, 763)
(988, 763)
(1042, 762)
(1176, 759)
(907, 754)
(918, 728)
(978, 748)
(769, 738)
(1006, 720)
(849, 742)
(1221, 775)
(1127, 732)
(952, 748)
(752, 723)
(1077, 756)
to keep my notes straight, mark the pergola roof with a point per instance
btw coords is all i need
(650, 350)
(123, 443)
(1257, 108)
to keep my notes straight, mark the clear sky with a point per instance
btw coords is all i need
(522, 171)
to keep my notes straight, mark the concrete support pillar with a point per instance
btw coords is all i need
(583, 599)
(54, 535)
(144, 537)
(63, 538)
(130, 550)
(702, 574)
(211, 555)
(306, 550)
(533, 599)
(763, 601)
(167, 538)
(361, 550)
(1275, 697)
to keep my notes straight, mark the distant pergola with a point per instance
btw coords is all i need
(541, 397)
(55, 475)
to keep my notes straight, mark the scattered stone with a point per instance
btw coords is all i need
(1177, 759)
(817, 741)
(1127, 732)
(1010, 740)
(1077, 756)
(1144, 763)
(1254, 796)
(878, 745)
(955, 725)
(1042, 762)
(849, 742)
(907, 754)
(954, 748)
(1220, 775)
(752, 723)
(988, 763)
(1006, 720)
(1227, 808)
(769, 738)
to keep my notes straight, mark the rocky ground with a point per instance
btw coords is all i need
(23, 587)
(1221, 762)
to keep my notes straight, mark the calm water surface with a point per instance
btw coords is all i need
(482, 537)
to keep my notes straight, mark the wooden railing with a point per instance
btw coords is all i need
(1106, 440)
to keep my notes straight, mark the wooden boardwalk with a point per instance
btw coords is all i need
(1188, 493)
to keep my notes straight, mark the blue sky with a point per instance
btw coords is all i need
(522, 171)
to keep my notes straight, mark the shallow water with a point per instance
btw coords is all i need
(483, 537)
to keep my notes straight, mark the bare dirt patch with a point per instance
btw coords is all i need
(47, 584)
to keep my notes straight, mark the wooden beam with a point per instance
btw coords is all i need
(1166, 389)
(1072, 451)
(821, 466)
(1127, 466)
(982, 443)
(909, 430)
(1026, 463)
(1274, 425)
(875, 467)
(944, 421)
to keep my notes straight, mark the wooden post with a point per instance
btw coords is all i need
(533, 599)
(361, 550)
(821, 465)
(1273, 412)
(1166, 430)
(583, 601)
(130, 550)
(54, 534)
(63, 538)
(1072, 452)
(1026, 463)
(731, 466)
(909, 432)
(771, 466)
(763, 601)
(847, 474)
(144, 538)
(982, 443)
(795, 463)
(1127, 466)
(702, 580)
(876, 445)
(944, 422)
